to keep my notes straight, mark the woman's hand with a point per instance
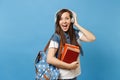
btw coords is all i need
(87, 35)
(73, 65)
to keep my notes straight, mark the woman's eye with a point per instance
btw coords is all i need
(64, 18)
(67, 18)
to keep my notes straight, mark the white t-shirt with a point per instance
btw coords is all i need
(65, 74)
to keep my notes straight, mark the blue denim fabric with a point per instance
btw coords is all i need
(45, 70)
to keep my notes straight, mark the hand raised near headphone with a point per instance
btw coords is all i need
(75, 18)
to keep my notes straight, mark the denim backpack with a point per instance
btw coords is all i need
(45, 71)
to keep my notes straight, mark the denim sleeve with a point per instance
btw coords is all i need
(78, 34)
(55, 41)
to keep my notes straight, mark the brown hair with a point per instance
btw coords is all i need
(60, 32)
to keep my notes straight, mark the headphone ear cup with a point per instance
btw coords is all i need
(73, 15)
(72, 20)
(55, 19)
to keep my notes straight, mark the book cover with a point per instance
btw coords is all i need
(70, 53)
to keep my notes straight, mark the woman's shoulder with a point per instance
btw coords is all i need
(55, 37)
(76, 30)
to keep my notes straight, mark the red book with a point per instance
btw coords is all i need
(70, 53)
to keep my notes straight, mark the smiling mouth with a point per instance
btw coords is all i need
(65, 28)
(64, 25)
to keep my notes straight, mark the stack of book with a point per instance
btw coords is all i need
(70, 53)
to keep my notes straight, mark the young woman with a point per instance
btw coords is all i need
(66, 33)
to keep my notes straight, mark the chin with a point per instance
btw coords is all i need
(65, 30)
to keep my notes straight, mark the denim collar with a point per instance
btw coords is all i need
(67, 37)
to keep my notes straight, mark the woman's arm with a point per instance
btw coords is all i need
(87, 35)
(51, 59)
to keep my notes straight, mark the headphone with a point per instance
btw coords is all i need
(73, 15)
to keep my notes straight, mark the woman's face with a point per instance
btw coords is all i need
(65, 21)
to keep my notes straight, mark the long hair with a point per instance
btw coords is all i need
(60, 32)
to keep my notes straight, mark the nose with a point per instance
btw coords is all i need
(64, 21)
